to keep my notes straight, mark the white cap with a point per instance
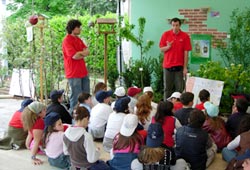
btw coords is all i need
(120, 91)
(148, 89)
(129, 125)
(176, 95)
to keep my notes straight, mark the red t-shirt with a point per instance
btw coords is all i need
(39, 125)
(168, 127)
(73, 68)
(177, 106)
(175, 55)
(200, 106)
(16, 121)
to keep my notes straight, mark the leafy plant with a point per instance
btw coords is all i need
(22, 54)
(236, 80)
(141, 66)
(237, 48)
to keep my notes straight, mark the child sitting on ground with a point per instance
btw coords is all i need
(215, 126)
(164, 116)
(175, 99)
(16, 136)
(115, 122)
(133, 93)
(32, 119)
(53, 141)
(155, 155)
(99, 86)
(193, 144)
(204, 96)
(100, 114)
(187, 99)
(79, 144)
(84, 99)
(126, 144)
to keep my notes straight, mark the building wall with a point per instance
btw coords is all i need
(200, 16)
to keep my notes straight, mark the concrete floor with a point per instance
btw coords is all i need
(20, 160)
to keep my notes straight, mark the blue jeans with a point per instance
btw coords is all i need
(228, 155)
(77, 86)
(122, 161)
(62, 161)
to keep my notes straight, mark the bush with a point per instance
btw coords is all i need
(236, 80)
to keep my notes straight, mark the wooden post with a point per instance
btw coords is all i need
(109, 21)
(105, 58)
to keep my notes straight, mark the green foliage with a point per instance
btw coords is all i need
(141, 66)
(113, 75)
(22, 54)
(237, 48)
(23, 9)
(236, 80)
(157, 77)
(3, 73)
(95, 7)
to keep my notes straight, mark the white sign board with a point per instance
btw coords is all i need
(196, 84)
(21, 83)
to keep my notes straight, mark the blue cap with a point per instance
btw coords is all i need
(51, 118)
(101, 95)
(211, 109)
(55, 94)
(25, 103)
(121, 104)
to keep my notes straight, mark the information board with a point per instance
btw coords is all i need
(196, 84)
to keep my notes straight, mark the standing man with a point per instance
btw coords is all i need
(175, 45)
(74, 51)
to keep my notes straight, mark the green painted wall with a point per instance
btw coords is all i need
(157, 12)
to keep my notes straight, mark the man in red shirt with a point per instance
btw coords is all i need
(175, 45)
(74, 51)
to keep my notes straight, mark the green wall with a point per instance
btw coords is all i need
(157, 12)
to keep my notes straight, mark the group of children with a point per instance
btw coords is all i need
(138, 133)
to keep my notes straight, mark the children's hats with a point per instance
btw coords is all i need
(36, 107)
(148, 89)
(132, 91)
(101, 95)
(120, 91)
(51, 118)
(155, 135)
(55, 94)
(176, 95)
(246, 155)
(211, 109)
(129, 125)
(122, 104)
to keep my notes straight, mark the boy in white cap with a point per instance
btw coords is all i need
(119, 93)
(175, 99)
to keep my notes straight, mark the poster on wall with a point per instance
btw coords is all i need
(201, 51)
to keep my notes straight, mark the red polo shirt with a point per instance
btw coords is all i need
(175, 55)
(73, 68)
